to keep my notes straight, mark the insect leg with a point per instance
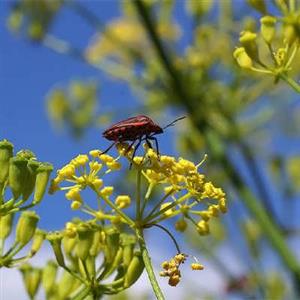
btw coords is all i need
(135, 149)
(108, 148)
(156, 143)
(129, 147)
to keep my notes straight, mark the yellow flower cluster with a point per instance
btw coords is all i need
(250, 54)
(125, 31)
(83, 172)
(182, 182)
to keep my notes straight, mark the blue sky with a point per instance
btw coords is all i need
(28, 71)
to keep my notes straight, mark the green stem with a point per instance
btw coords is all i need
(290, 82)
(2, 241)
(148, 265)
(292, 5)
(82, 294)
(147, 196)
(157, 206)
(151, 217)
(138, 195)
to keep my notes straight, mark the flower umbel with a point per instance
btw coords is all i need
(186, 195)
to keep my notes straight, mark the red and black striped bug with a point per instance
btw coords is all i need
(135, 129)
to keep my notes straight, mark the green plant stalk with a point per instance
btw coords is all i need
(148, 265)
(151, 217)
(290, 82)
(147, 196)
(159, 203)
(271, 231)
(2, 241)
(82, 294)
(138, 195)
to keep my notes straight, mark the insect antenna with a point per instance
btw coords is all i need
(172, 123)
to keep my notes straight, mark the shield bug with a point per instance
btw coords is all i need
(135, 129)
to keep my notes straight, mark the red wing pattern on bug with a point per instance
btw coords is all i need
(132, 129)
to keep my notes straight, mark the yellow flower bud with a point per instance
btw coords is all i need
(36, 30)
(6, 152)
(38, 239)
(197, 266)
(74, 194)
(289, 33)
(203, 227)
(15, 19)
(6, 223)
(181, 225)
(32, 279)
(242, 58)
(165, 265)
(106, 158)
(30, 178)
(135, 270)
(80, 160)
(167, 160)
(187, 165)
(248, 41)
(55, 239)
(114, 165)
(70, 230)
(94, 153)
(76, 205)
(26, 227)
(128, 242)
(222, 205)
(152, 154)
(96, 245)
(95, 166)
(97, 183)
(43, 174)
(214, 210)
(267, 28)
(107, 191)
(67, 172)
(65, 285)
(48, 276)
(17, 175)
(69, 243)
(112, 243)
(123, 201)
(138, 160)
(85, 236)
